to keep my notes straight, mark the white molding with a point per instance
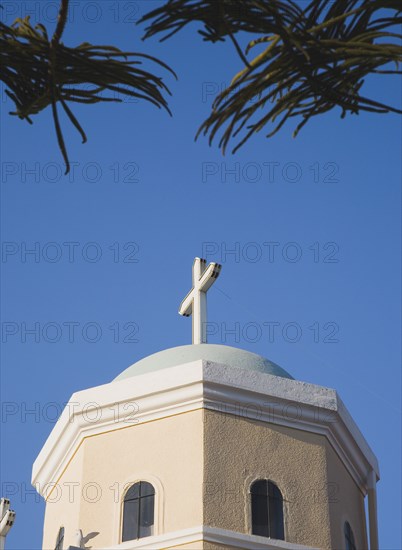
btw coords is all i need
(191, 386)
(208, 534)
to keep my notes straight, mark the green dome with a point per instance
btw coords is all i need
(215, 353)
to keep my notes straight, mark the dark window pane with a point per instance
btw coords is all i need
(259, 487)
(133, 492)
(138, 513)
(349, 537)
(146, 489)
(275, 512)
(130, 519)
(146, 516)
(267, 510)
(60, 539)
(259, 507)
(273, 491)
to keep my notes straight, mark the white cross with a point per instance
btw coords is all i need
(196, 300)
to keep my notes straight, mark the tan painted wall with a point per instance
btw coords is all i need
(238, 449)
(170, 448)
(63, 504)
(202, 464)
(346, 503)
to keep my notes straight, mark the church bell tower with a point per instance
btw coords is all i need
(207, 446)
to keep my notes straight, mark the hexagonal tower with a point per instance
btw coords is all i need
(207, 447)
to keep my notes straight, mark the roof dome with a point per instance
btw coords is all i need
(216, 353)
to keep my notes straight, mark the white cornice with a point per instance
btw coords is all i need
(229, 539)
(187, 387)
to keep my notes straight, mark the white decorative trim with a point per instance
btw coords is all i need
(201, 384)
(208, 534)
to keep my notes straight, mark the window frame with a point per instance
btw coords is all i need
(251, 482)
(141, 498)
(120, 488)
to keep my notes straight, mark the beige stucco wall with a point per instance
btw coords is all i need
(346, 503)
(201, 464)
(167, 452)
(239, 450)
(63, 503)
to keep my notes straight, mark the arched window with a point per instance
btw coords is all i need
(60, 539)
(138, 511)
(349, 537)
(267, 510)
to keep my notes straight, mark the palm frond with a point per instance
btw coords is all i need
(39, 72)
(315, 59)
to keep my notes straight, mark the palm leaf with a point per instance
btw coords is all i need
(39, 72)
(316, 58)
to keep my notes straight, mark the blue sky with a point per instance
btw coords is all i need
(307, 230)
